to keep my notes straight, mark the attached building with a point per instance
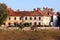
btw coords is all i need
(35, 17)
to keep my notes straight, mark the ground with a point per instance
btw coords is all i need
(30, 35)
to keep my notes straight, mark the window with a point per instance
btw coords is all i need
(20, 18)
(39, 23)
(34, 23)
(20, 23)
(25, 18)
(14, 23)
(14, 18)
(39, 18)
(3, 23)
(9, 23)
(48, 13)
(30, 18)
(30, 23)
(34, 18)
(9, 18)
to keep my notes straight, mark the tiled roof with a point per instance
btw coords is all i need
(44, 14)
(49, 10)
(27, 13)
(13, 13)
(31, 13)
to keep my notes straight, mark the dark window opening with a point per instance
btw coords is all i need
(14, 18)
(20, 18)
(51, 18)
(3, 23)
(9, 18)
(48, 13)
(9, 23)
(20, 23)
(39, 23)
(25, 18)
(35, 23)
(30, 23)
(30, 18)
(39, 18)
(34, 18)
(14, 23)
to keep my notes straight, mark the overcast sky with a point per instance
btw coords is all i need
(30, 4)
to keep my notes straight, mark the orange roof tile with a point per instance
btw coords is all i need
(44, 14)
(26, 13)
(49, 10)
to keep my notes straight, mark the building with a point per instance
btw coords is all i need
(52, 14)
(36, 17)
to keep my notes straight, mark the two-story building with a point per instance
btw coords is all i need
(35, 17)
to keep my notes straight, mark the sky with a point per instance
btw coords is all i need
(30, 4)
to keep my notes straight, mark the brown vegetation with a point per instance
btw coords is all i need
(30, 35)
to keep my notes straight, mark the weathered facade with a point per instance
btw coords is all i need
(35, 17)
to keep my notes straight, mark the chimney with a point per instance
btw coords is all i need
(18, 10)
(43, 7)
(34, 9)
(51, 9)
(38, 9)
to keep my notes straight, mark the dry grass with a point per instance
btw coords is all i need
(30, 35)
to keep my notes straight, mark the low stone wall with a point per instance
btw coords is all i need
(29, 28)
(13, 27)
(40, 28)
(26, 28)
(50, 28)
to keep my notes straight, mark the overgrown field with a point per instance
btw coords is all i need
(30, 35)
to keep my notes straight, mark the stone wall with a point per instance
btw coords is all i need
(29, 28)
